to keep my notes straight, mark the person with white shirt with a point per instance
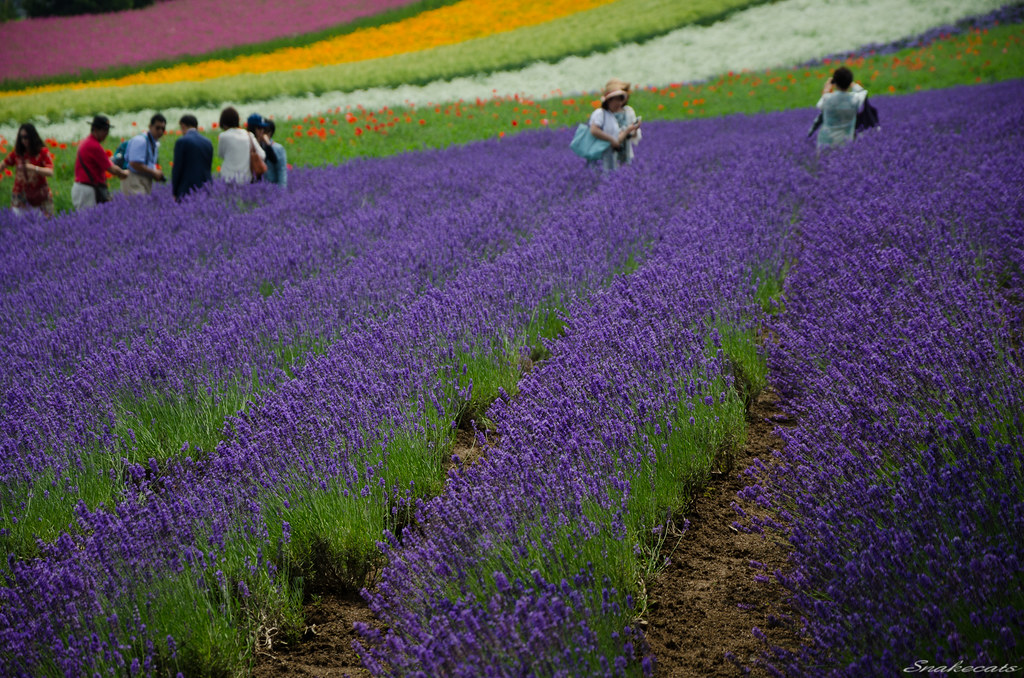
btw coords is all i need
(616, 123)
(234, 146)
(840, 101)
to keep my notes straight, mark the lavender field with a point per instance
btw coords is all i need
(213, 410)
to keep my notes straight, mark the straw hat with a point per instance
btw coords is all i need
(616, 88)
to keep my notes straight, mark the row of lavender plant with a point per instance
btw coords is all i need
(531, 563)
(146, 382)
(899, 356)
(310, 475)
(127, 272)
(141, 275)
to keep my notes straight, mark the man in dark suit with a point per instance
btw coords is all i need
(193, 158)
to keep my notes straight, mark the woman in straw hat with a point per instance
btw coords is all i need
(616, 123)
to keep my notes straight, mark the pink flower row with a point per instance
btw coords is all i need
(37, 48)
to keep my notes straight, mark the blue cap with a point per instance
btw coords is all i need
(255, 120)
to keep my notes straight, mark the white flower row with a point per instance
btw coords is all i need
(768, 36)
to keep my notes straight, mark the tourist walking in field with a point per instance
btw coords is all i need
(617, 123)
(277, 169)
(33, 165)
(234, 146)
(193, 158)
(841, 100)
(142, 158)
(92, 165)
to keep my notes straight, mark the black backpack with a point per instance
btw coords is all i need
(866, 118)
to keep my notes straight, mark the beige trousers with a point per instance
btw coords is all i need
(82, 195)
(136, 184)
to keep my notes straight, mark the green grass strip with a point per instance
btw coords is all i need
(595, 30)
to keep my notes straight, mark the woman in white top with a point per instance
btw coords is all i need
(839, 104)
(234, 145)
(616, 123)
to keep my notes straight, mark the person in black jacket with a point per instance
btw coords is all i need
(258, 126)
(193, 158)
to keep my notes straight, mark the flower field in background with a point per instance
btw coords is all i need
(462, 21)
(580, 33)
(991, 53)
(478, 68)
(138, 36)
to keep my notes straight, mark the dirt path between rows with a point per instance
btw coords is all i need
(706, 602)
(694, 614)
(325, 650)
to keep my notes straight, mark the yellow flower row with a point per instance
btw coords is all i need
(462, 21)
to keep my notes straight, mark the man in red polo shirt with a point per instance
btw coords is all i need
(91, 166)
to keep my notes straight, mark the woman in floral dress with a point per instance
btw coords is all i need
(33, 165)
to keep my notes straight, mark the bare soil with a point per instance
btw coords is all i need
(694, 611)
(325, 650)
(706, 602)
